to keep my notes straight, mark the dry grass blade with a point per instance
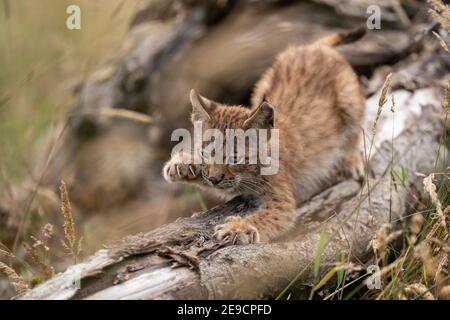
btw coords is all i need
(430, 188)
(441, 267)
(17, 281)
(441, 41)
(6, 253)
(397, 6)
(125, 114)
(382, 238)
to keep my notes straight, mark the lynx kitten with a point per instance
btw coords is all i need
(312, 95)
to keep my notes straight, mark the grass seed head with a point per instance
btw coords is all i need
(382, 100)
(418, 290)
(71, 244)
(440, 12)
(47, 231)
(17, 281)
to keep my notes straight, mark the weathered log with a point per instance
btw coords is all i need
(182, 260)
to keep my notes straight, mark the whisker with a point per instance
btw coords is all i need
(254, 183)
(246, 188)
(252, 188)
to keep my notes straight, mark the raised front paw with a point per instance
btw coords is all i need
(237, 231)
(178, 169)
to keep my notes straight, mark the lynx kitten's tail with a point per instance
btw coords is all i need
(343, 37)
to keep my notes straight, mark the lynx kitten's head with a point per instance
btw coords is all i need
(240, 171)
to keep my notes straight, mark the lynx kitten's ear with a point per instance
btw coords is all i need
(202, 108)
(262, 117)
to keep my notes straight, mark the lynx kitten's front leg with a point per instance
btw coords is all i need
(181, 168)
(262, 226)
(274, 218)
(237, 230)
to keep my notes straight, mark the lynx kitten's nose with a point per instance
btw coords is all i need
(215, 180)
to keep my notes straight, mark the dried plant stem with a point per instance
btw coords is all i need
(441, 41)
(381, 102)
(397, 6)
(125, 114)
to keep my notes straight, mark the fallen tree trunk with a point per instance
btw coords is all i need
(181, 260)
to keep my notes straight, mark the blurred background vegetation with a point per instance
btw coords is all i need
(41, 62)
